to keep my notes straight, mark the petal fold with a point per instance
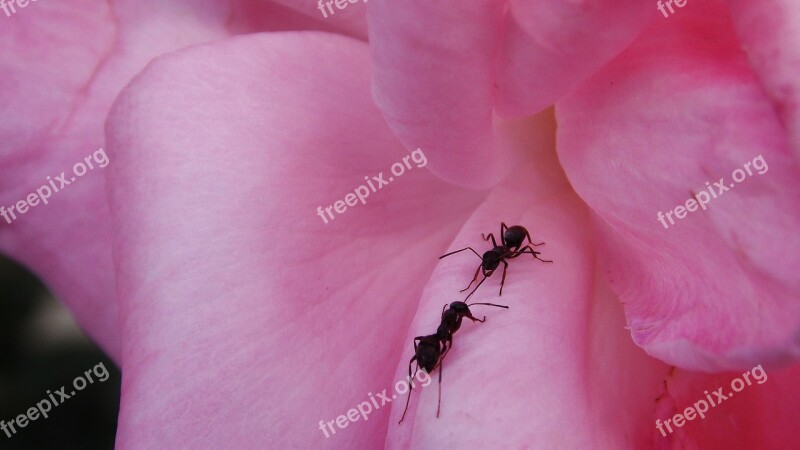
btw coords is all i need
(678, 113)
(234, 293)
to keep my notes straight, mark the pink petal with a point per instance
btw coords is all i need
(769, 31)
(551, 46)
(717, 290)
(558, 359)
(46, 70)
(433, 80)
(247, 320)
(58, 86)
(345, 16)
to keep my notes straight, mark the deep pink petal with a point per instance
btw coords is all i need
(762, 414)
(718, 289)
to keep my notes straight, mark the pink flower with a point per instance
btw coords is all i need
(240, 319)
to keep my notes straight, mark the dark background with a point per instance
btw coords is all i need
(42, 348)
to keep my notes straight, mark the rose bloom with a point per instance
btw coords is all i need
(242, 320)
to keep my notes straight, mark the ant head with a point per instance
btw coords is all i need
(459, 307)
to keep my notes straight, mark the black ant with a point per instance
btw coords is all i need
(512, 239)
(429, 351)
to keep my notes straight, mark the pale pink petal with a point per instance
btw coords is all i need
(247, 319)
(718, 289)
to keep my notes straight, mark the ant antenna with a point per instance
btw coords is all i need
(476, 288)
(488, 304)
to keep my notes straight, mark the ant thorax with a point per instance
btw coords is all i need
(449, 314)
(500, 250)
(445, 331)
(493, 257)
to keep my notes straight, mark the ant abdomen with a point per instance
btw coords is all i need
(514, 236)
(427, 360)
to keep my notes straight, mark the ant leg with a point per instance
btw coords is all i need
(503, 229)
(475, 319)
(448, 345)
(418, 338)
(410, 376)
(474, 279)
(476, 288)
(532, 252)
(486, 238)
(409, 392)
(439, 405)
(441, 370)
(441, 358)
(531, 240)
(465, 248)
(502, 282)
